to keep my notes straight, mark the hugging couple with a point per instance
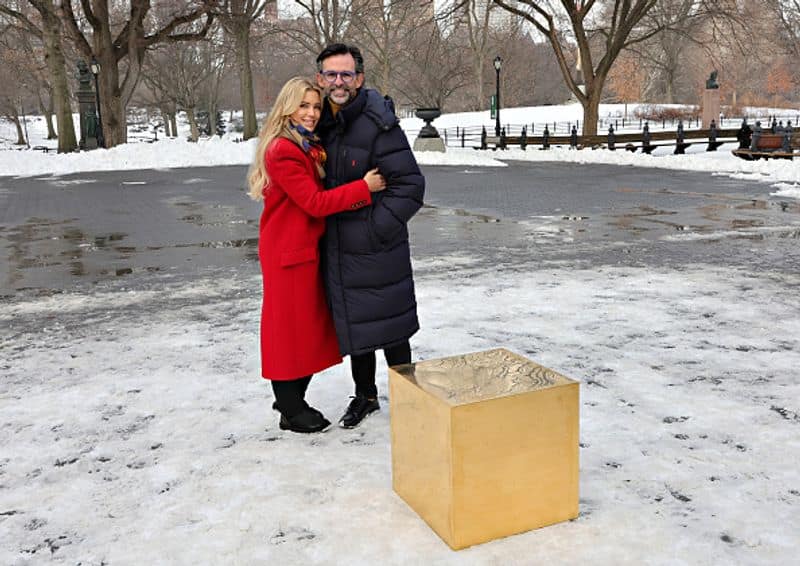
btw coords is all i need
(339, 184)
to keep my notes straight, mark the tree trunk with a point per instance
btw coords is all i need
(669, 87)
(195, 132)
(115, 127)
(112, 104)
(479, 66)
(56, 66)
(174, 121)
(246, 82)
(48, 120)
(20, 133)
(386, 78)
(591, 110)
(46, 111)
(165, 118)
(212, 119)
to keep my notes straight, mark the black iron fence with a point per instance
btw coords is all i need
(470, 136)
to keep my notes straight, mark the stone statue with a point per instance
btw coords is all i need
(712, 83)
(84, 78)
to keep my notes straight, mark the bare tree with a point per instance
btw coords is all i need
(600, 35)
(272, 72)
(475, 21)
(176, 74)
(433, 70)
(47, 29)
(381, 28)
(237, 18)
(692, 30)
(788, 13)
(627, 79)
(96, 35)
(14, 93)
(322, 22)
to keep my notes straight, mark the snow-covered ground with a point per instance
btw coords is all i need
(135, 428)
(168, 153)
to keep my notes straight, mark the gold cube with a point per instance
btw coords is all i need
(484, 445)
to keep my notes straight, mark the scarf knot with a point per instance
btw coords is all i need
(309, 142)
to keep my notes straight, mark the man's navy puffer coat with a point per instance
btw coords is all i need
(366, 259)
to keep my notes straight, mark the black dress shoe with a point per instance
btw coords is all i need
(275, 408)
(359, 408)
(307, 420)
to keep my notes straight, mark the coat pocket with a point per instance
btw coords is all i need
(303, 255)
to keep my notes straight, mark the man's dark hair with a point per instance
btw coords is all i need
(341, 49)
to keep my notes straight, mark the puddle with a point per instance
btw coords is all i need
(459, 212)
(43, 252)
(627, 221)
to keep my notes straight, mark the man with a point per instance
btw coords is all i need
(366, 260)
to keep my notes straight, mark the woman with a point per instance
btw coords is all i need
(297, 334)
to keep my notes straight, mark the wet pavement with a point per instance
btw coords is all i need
(63, 232)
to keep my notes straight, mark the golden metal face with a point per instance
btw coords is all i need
(480, 376)
(484, 445)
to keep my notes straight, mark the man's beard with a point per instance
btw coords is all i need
(343, 96)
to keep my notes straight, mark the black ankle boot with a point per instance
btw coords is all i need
(307, 420)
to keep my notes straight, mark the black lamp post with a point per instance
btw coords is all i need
(95, 67)
(498, 62)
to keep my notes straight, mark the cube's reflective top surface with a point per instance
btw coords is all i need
(479, 376)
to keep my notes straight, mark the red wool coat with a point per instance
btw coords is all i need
(297, 333)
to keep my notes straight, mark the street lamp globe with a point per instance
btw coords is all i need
(498, 62)
(95, 66)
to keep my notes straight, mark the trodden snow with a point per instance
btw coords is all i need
(135, 428)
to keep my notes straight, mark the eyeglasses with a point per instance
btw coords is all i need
(346, 76)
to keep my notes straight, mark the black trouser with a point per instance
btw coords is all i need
(363, 366)
(290, 396)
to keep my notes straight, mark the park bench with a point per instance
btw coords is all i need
(630, 142)
(771, 146)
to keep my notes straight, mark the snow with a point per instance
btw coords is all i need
(134, 430)
(784, 175)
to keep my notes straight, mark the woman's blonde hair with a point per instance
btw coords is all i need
(287, 102)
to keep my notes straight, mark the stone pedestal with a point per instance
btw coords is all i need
(429, 144)
(711, 107)
(86, 109)
(428, 138)
(484, 445)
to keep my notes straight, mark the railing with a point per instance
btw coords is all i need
(470, 135)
